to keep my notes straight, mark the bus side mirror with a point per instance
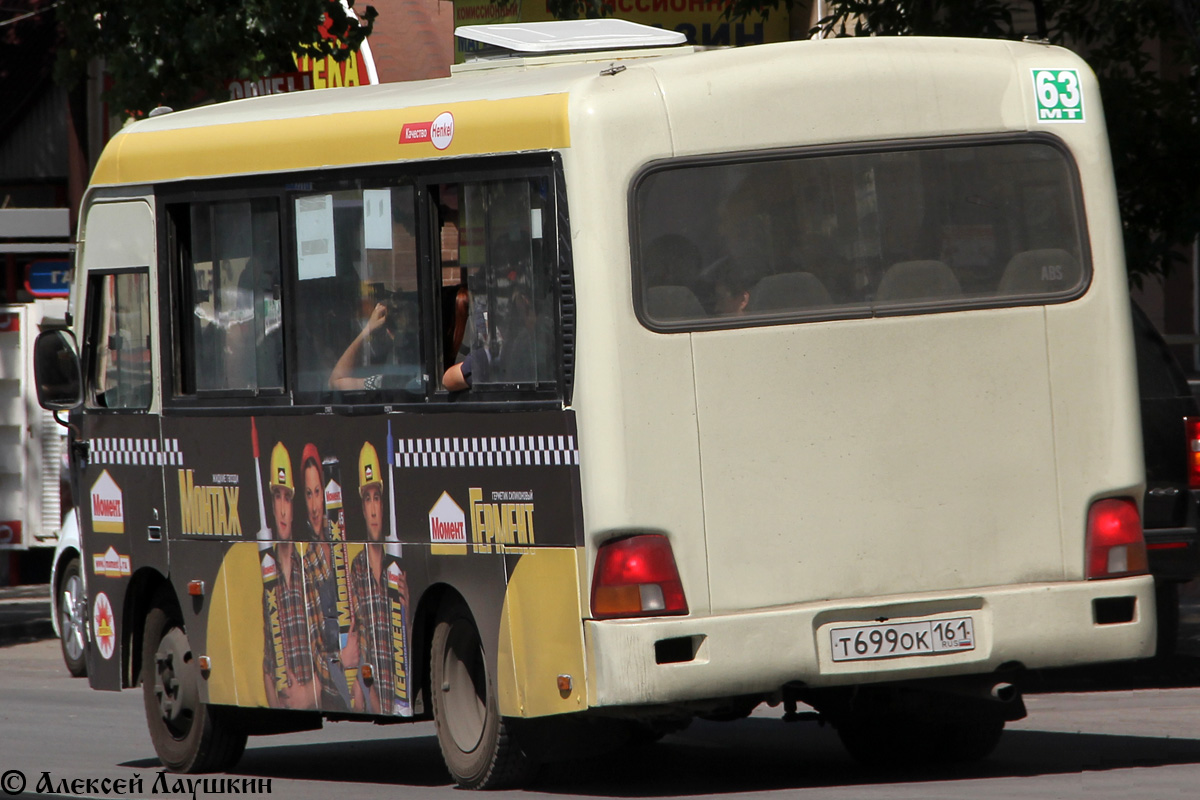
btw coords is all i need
(56, 371)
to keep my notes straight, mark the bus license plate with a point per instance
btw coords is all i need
(900, 639)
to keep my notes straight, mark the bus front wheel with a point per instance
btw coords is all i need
(188, 734)
(72, 614)
(477, 744)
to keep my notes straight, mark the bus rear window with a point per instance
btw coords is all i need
(734, 242)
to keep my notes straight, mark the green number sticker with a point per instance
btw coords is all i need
(1059, 95)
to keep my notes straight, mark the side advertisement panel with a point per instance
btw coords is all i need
(319, 537)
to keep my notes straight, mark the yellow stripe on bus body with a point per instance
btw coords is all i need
(541, 636)
(331, 140)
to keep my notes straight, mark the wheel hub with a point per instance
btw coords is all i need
(71, 614)
(465, 688)
(175, 682)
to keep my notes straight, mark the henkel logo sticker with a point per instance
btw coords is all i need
(10, 323)
(1059, 95)
(10, 532)
(108, 514)
(393, 577)
(111, 564)
(439, 133)
(104, 626)
(447, 522)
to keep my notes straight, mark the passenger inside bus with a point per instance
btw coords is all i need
(513, 357)
(730, 288)
(389, 329)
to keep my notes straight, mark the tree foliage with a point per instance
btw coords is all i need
(175, 52)
(1146, 54)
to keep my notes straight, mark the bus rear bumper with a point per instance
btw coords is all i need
(671, 660)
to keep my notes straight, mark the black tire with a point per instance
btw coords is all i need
(72, 618)
(477, 745)
(188, 735)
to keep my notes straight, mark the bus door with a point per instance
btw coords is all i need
(120, 457)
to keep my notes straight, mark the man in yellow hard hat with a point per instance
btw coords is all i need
(290, 595)
(372, 608)
(370, 488)
(326, 585)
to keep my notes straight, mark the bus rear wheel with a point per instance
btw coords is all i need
(188, 734)
(477, 744)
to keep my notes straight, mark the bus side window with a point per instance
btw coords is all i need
(357, 312)
(231, 304)
(506, 253)
(119, 341)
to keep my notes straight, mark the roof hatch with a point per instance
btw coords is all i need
(565, 36)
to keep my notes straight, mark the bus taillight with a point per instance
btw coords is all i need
(636, 577)
(1115, 545)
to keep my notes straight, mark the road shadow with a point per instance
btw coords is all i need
(407, 761)
(756, 755)
(750, 755)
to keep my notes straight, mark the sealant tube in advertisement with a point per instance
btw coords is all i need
(401, 704)
(337, 534)
(270, 572)
(335, 513)
(399, 610)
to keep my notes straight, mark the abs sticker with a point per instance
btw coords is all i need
(1059, 95)
(104, 626)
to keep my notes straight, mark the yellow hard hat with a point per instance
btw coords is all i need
(281, 468)
(368, 467)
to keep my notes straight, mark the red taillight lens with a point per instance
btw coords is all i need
(636, 577)
(1115, 545)
(1192, 426)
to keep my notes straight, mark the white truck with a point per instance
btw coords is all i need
(36, 249)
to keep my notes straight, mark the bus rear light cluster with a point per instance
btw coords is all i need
(636, 577)
(1115, 545)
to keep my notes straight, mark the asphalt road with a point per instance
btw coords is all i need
(1122, 741)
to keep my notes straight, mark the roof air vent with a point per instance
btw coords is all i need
(564, 36)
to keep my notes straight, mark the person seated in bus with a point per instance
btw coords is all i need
(373, 618)
(730, 288)
(342, 377)
(518, 359)
(298, 691)
(320, 583)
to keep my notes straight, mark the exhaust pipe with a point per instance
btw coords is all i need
(1005, 692)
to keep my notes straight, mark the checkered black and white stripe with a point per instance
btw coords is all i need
(135, 452)
(487, 451)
